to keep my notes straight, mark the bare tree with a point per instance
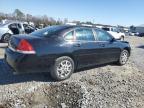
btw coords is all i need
(18, 14)
(37, 20)
(65, 21)
(29, 17)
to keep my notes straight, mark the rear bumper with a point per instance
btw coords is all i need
(27, 63)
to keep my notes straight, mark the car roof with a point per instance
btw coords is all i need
(76, 26)
(11, 22)
(72, 26)
(67, 28)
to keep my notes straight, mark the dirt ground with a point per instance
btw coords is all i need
(108, 86)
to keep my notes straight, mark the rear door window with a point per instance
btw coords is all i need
(84, 34)
(14, 25)
(14, 28)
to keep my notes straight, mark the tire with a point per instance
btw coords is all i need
(62, 68)
(6, 38)
(124, 56)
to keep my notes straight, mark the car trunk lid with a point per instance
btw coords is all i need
(23, 43)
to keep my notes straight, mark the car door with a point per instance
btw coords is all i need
(13, 27)
(108, 48)
(84, 47)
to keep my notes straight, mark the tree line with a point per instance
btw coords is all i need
(37, 20)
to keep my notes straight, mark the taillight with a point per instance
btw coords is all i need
(25, 47)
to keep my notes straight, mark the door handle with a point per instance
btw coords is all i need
(77, 45)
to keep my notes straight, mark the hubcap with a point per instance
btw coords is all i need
(64, 68)
(124, 57)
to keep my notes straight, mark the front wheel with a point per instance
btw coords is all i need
(6, 38)
(63, 68)
(124, 56)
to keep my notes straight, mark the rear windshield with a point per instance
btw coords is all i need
(48, 31)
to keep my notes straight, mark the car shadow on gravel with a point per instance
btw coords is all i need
(141, 46)
(7, 76)
(96, 66)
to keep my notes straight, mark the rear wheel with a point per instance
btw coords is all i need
(6, 38)
(124, 56)
(63, 68)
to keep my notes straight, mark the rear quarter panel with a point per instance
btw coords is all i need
(51, 48)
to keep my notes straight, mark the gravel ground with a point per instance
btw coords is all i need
(108, 86)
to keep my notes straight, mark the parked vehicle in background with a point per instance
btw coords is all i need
(133, 34)
(139, 30)
(141, 35)
(62, 49)
(115, 32)
(13, 28)
(126, 32)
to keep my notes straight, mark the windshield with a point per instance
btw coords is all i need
(48, 31)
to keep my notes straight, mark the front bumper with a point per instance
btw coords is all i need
(27, 63)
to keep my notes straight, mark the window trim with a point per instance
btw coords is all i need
(72, 30)
(93, 30)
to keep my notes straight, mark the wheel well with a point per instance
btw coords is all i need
(72, 57)
(5, 34)
(2, 37)
(127, 50)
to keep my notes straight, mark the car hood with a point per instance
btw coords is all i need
(125, 42)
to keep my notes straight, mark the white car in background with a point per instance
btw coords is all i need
(13, 28)
(115, 32)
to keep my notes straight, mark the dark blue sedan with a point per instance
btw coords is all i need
(62, 49)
